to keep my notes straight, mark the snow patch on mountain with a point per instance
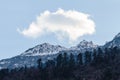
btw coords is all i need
(84, 46)
(43, 49)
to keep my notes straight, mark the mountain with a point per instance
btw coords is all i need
(29, 58)
(85, 46)
(47, 51)
(114, 43)
(44, 51)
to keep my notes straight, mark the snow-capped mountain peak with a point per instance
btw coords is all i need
(84, 46)
(85, 43)
(43, 49)
(47, 51)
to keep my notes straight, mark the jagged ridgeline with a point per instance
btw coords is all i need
(99, 64)
(86, 61)
(47, 51)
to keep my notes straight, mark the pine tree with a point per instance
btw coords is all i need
(99, 56)
(79, 59)
(94, 55)
(59, 60)
(71, 61)
(3, 73)
(39, 61)
(107, 56)
(50, 63)
(87, 57)
(65, 59)
(114, 51)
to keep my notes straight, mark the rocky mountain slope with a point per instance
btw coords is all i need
(114, 42)
(47, 51)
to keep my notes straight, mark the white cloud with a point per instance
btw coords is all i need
(71, 24)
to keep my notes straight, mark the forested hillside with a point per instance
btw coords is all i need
(101, 64)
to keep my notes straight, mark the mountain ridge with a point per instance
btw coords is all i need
(115, 42)
(48, 51)
(43, 49)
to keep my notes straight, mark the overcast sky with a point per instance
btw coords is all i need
(26, 23)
